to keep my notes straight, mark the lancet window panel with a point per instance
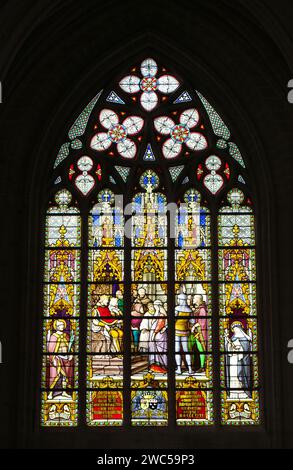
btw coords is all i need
(60, 371)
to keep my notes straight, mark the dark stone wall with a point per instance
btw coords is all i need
(55, 55)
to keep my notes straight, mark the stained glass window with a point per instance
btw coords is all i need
(150, 306)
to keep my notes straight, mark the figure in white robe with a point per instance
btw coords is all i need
(238, 366)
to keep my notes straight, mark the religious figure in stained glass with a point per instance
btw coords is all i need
(141, 326)
(158, 339)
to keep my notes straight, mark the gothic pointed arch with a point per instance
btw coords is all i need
(145, 144)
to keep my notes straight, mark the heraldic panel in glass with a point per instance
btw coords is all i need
(149, 285)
